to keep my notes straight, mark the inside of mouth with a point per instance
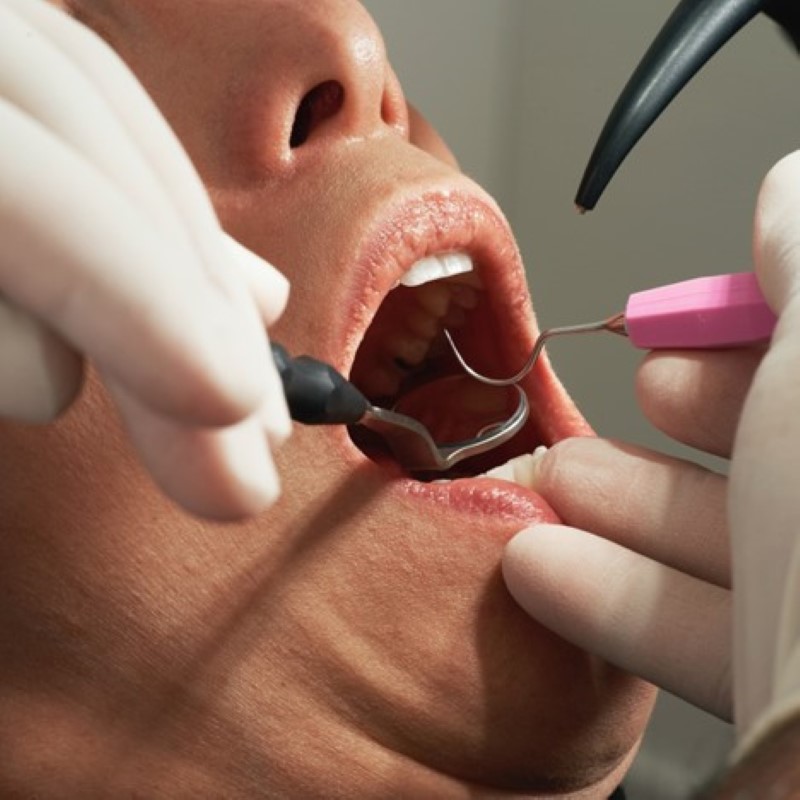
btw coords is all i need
(405, 364)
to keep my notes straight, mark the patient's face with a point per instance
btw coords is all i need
(355, 640)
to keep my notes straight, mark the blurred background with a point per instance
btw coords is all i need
(520, 90)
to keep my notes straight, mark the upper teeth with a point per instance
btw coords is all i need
(432, 268)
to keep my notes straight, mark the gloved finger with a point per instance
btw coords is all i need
(159, 326)
(696, 397)
(269, 287)
(776, 242)
(669, 510)
(767, 700)
(274, 412)
(105, 114)
(40, 374)
(764, 517)
(670, 628)
(72, 105)
(217, 473)
(271, 291)
(169, 164)
(69, 106)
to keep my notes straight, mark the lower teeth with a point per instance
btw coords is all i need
(520, 469)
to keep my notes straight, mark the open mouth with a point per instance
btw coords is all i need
(405, 364)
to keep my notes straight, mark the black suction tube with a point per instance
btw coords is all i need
(690, 37)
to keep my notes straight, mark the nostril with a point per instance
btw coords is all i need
(321, 103)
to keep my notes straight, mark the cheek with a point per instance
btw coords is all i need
(423, 135)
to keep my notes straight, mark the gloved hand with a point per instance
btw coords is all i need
(650, 588)
(110, 251)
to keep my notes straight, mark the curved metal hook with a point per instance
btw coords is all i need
(615, 324)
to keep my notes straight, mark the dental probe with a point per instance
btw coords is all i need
(318, 395)
(712, 312)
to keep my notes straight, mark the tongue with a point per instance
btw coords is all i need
(457, 407)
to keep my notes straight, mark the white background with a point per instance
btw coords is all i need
(520, 90)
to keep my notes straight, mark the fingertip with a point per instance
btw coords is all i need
(518, 548)
(577, 473)
(274, 411)
(200, 382)
(40, 374)
(244, 483)
(252, 493)
(215, 369)
(269, 286)
(222, 474)
(523, 565)
(776, 238)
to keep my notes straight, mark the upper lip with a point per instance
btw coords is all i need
(434, 221)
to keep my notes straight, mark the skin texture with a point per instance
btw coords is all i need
(355, 640)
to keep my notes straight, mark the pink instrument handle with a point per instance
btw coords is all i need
(719, 311)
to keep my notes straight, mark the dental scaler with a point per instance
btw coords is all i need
(713, 312)
(695, 31)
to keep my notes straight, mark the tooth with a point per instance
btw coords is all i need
(471, 279)
(464, 296)
(409, 349)
(422, 324)
(455, 317)
(432, 268)
(382, 381)
(520, 470)
(435, 299)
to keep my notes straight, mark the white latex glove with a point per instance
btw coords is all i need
(650, 588)
(110, 250)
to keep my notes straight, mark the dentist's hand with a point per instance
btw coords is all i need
(650, 587)
(110, 251)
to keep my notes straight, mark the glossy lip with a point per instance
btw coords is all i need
(460, 219)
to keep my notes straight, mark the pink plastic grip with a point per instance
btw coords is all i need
(719, 311)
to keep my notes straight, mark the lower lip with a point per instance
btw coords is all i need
(501, 500)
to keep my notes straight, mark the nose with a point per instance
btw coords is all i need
(331, 79)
